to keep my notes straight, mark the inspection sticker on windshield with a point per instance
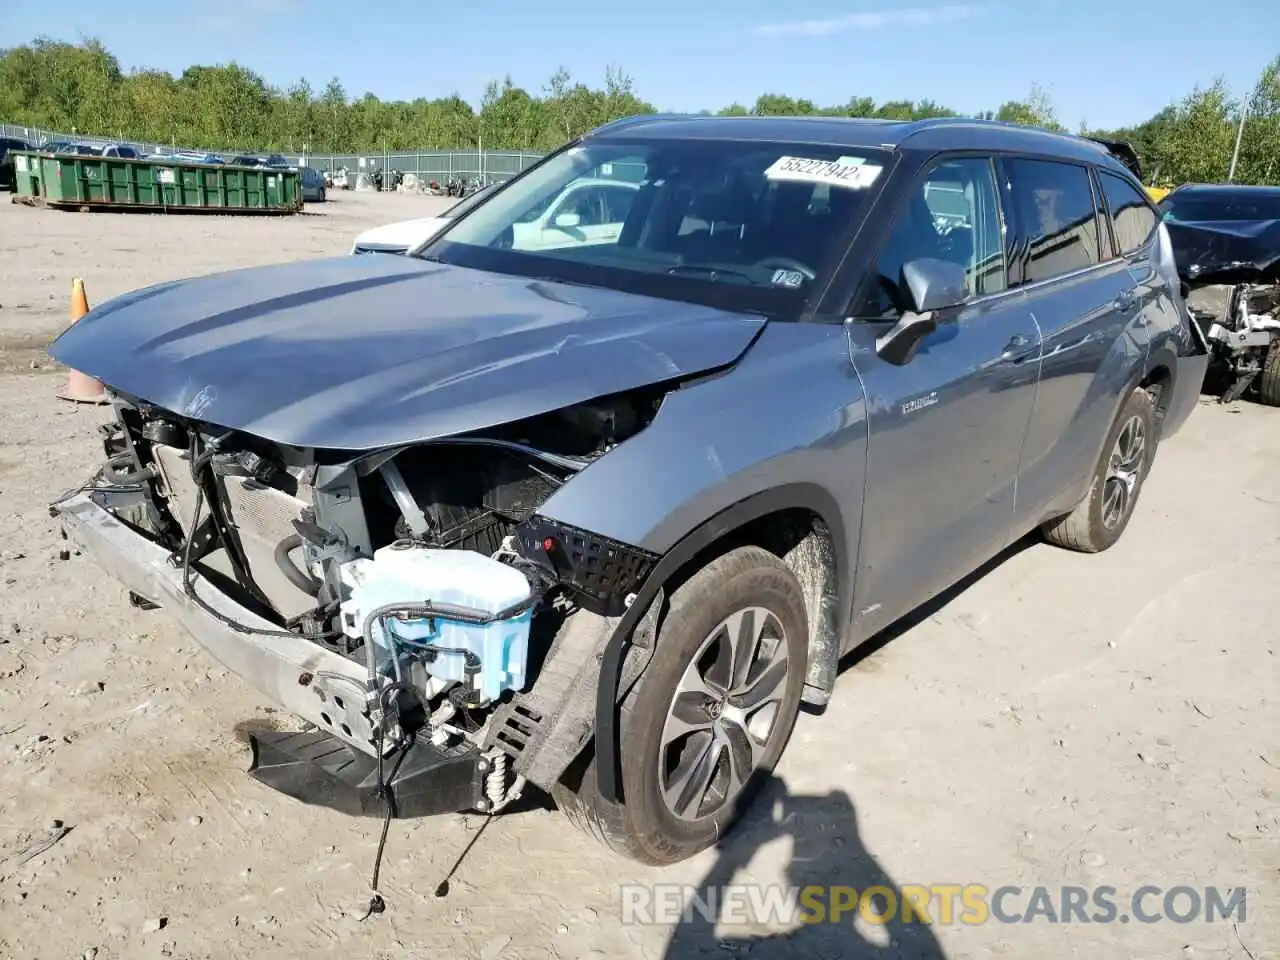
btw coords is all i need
(836, 173)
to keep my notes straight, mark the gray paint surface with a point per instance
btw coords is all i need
(357, 353)
(995, 425)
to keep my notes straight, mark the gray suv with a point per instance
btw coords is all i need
(595, 502)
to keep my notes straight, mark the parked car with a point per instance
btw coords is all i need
(405, 235)
(78, 150)
(6, 161)
(1226, 241)
(121, 150)
(313, 188)
(599, 515)
(269, 160)
(188, 156)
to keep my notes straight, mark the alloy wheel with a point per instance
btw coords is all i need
(723, 714)
(1124, 472)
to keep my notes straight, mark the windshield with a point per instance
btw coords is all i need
(1222, 206)
(462, 206)
(751, 226)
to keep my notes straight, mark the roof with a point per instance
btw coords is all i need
(949, 133)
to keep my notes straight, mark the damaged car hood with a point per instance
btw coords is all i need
(1226, 251)
(358, 353)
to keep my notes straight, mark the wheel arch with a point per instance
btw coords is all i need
(771, 518)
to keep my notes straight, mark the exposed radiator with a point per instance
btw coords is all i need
(175, 470)
(262, 517)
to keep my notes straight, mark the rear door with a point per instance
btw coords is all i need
(1089, 308)
(946, 428)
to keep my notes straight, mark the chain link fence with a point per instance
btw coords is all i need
(427, 165)
(439, 165)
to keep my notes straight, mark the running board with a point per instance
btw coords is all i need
(322, 771)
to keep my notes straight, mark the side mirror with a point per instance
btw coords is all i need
(932, 285)
(566, 221)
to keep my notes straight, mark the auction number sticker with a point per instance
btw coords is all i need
(847, 172)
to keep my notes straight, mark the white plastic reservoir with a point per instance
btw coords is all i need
(408, 573)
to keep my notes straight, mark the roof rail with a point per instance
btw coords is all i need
(636, 120)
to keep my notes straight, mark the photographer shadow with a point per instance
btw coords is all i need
(827, 853)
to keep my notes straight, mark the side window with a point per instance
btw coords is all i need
(617, 203)
(1058, 219)
(953, 213)
(1131, 215)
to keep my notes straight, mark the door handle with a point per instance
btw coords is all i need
(1013, 348)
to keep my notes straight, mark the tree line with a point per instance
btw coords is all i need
(81, 88)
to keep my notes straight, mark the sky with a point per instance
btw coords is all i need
(1099, 65)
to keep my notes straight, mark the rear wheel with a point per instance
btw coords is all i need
(709, 718)
(1099, 520)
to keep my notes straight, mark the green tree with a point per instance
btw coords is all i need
(1260, 143)
(1196, 146)
(80, 88)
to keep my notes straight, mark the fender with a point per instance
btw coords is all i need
(804, 495)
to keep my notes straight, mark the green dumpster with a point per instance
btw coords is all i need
(26, 175)
(163, 184)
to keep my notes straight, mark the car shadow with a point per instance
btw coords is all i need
(827, 852)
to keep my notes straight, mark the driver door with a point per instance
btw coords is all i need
(946, 427)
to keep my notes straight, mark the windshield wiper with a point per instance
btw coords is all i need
(714, 272)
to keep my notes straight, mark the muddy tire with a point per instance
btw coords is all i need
(1269, 378)
(1098, 521)
(708, 720)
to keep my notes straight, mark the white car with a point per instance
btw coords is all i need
(405, 235)
(587, 211)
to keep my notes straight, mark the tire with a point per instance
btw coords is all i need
(646, 827)
(1269, 378)
(1093, 526)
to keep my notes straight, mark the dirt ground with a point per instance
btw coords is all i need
(1060, 720)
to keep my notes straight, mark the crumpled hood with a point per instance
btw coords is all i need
(357, 353)
(1227, 251)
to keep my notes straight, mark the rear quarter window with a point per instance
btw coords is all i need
(1058, 221)
(1132, 219)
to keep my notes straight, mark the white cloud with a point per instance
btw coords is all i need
(872, 20)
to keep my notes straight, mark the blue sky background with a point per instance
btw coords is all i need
(1097, 62)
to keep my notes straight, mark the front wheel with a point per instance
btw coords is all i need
(711, 715)
(1099, 520)
(1269, 378)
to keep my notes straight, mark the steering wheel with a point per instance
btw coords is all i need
(786, 263)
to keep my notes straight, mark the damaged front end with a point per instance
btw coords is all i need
(438, 635)
(1231, 273)
(1241, 323)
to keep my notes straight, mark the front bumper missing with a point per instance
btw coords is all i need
(318, 685)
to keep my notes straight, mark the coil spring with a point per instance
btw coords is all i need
(495, 782)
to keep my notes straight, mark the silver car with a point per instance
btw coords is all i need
(595, 501)
(313, 189)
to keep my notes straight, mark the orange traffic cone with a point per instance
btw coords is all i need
(81, 388)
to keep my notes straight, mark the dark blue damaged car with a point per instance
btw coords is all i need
(594, 489)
